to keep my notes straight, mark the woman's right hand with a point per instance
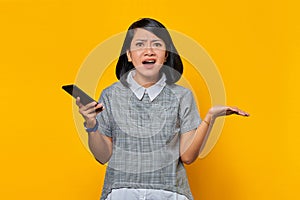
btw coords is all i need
(89, 112)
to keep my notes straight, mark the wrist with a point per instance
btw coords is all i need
(91, 127)
(90, 123)
(208, 118)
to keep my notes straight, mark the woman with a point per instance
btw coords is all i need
(150, 126)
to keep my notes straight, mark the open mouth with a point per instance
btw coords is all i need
(149, 62)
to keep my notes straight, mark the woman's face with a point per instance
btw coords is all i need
(147, 53)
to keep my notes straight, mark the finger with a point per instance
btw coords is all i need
(99, 108)
(88, 114)
(84, 110)
(78, 103)
(92, 104)
(231, 110)
(88, 106)
(92, 113)
(235, 110)
(241, 112)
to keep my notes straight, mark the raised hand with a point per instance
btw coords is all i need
(89, 112)
(218, 111)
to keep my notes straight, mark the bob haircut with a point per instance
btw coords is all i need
(172, 67)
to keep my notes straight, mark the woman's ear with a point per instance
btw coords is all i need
(166, 56)
(128, 56)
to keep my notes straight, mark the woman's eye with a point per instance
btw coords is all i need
(157, 44)
(139, 44)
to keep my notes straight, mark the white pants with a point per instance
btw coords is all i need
(143, 194)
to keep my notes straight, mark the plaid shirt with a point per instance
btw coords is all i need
(146, 134)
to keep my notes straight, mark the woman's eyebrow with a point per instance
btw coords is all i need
(142, 40)
(156, 40)
(145, 40)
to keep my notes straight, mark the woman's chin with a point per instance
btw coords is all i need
(149, 66)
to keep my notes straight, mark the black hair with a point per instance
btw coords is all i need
(172, 68)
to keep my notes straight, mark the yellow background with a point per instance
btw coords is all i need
(255, 45)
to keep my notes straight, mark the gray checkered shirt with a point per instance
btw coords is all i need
(146, 134)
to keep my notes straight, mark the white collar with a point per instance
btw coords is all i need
(139, 90)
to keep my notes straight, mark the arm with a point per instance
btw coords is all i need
(192, 141)
(99, 144)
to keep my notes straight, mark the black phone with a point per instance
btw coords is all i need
(77, 92)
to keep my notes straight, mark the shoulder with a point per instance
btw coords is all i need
(117, 86)
(112, 89)
(179, 90)
(183, 95)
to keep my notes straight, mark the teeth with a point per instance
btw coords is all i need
(148, 61)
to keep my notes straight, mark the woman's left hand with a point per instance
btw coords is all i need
(218, 111)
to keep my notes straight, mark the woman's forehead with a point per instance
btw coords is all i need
(142, 34)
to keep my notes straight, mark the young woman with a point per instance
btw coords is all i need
(150, 126)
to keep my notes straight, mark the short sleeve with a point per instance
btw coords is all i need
(104, 117)
(188, 113)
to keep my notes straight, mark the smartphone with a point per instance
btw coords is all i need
(77, 92)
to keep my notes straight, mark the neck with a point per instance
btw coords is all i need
(146, 81)
(146, 85)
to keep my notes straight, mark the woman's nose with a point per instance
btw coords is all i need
(149, 50)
